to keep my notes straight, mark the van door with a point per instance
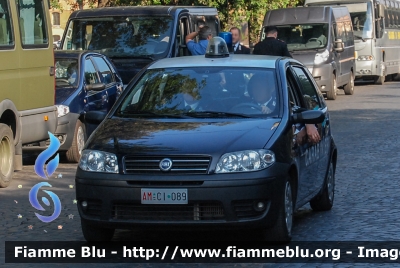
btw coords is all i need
(340, 33)
(35, 62)
(183, 30)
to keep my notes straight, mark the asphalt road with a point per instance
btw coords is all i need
(366, 130)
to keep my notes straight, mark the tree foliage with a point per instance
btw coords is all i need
(231, 12)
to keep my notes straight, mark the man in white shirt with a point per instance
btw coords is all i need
(236, 38)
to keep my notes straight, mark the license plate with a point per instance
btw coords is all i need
(164, 196)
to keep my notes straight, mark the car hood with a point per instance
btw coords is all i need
(63, 93)
(128, 136)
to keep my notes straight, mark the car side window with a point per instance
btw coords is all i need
(106, 74)
(310, 94)
(293, 97)
(6, 30)
(32, 23)
(90, 73)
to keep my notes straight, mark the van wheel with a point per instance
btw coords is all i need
(331, 94)
(349, 88)
(282, 230)
(324, 201)
(96, 234)
(74, 153)
(380, 80)
(6, 155)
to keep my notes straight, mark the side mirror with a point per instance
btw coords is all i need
(308, 117)
(95, 117)
(95, 87)
(339, 45)
(380, 11)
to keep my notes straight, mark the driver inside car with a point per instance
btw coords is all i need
(262, 93)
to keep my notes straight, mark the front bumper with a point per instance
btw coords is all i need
(323, 76)
(225, 201)
(64, 132)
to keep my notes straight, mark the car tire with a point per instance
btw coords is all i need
(324, 201)
(7, 151)
(93, 233)
(74, 153)
(380, 80)
(281, 232)
(349, 88)
(332, 93)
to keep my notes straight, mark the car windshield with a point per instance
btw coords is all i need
(138, 36)
(66, 73)
(361, 16)
(303, 36)
(202, 92)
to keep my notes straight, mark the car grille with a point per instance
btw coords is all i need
(180, 164)
(244, 209)
(93, 208)
(190, 212)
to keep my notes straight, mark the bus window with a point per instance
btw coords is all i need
(6, 33)
(32, 23)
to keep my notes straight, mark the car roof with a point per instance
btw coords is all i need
(247, 61)
(74, 54)
(135, 10)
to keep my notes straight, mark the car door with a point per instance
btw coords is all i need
(299, 142)
(94, 98)
(109, 94)
(315, 156)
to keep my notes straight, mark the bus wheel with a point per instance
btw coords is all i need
(6, 155)
(331, 94)
(380, 80)
(349, 88)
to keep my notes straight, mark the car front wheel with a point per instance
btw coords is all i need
(282, 230)
(324, 201)
(74, 153)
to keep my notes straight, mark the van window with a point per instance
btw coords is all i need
(32, 23)
(6, 31)
(349, 33)
(105, 72)
(361, 17)
(121, 36)
(303, 36)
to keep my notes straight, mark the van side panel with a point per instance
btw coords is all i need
(26, 83)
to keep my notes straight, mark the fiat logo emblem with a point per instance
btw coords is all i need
(165, 164)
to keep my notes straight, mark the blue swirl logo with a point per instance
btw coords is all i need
(51, 167)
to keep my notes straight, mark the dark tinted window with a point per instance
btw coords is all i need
(6, 32)
(90, 73)
(106, 74)
(32, 23)
(310, 94)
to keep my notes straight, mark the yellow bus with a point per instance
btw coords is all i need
(27, 95)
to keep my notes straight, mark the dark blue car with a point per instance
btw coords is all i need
(85, 81)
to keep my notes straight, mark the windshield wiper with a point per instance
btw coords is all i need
(144, 57)
(360, 37)
(213, 114)
(147, 113)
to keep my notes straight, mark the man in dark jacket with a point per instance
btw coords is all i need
(271, 45)
(236, 38)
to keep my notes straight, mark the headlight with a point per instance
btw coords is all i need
(245, 161)
(62, 110)
(97, 161)
(321, 57)
(365, 57)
